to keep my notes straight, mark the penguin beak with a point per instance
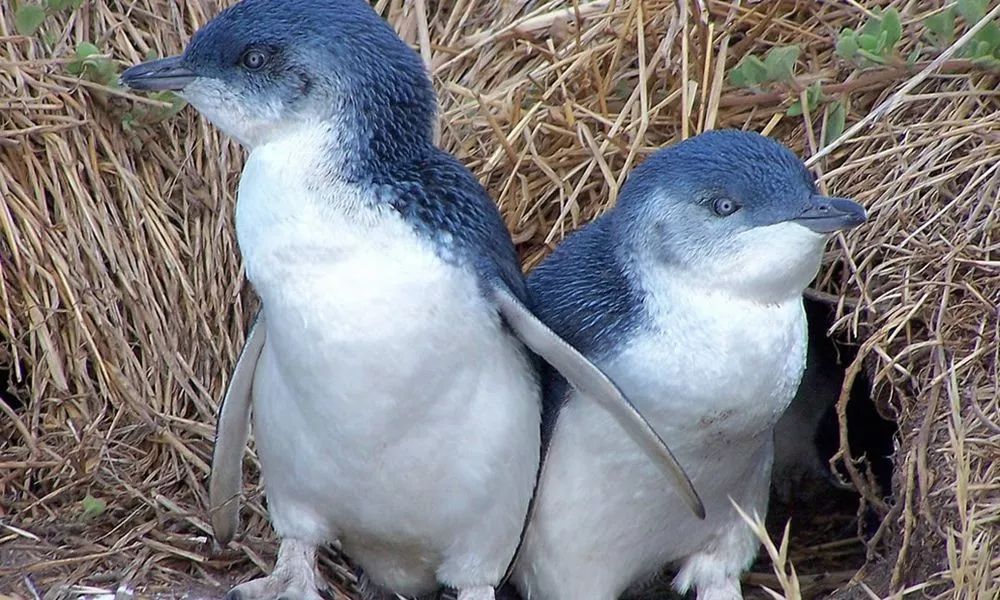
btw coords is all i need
(827, 215)
(158, 75)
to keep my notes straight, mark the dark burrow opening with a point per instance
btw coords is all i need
(9, 392)
(829, 522)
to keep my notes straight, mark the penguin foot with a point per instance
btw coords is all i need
(484, 592)
(272, 588)
(294, 576)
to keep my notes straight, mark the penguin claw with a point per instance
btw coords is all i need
(294, 576)
(275, 587)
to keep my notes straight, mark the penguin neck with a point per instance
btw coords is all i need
(294, 202)
(371, 135)
(665, 284)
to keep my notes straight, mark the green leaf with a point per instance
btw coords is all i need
(104, 72)
(987, 62)
(972, 10)
(57, 4)
(873, 26)
(177, 104)
(755, 68)
(85, 49)
(780, 63)
(28, 18)
(871, 57)
(882, 47)
(847, 44)
(79, 63)
(89, 63)
(738, 78)
(868, 42)
(130, 122)
(750, 72)
(913, 57)
(892, 27)
(836, 117)
(814, 95)
(989, 35)
(93, 507)
(75, 4)
(942, 27)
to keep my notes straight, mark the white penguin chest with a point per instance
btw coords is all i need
(358, 305)
(715, 371)
(336, 269)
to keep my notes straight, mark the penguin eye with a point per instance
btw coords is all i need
(253, 59)
(724, 206)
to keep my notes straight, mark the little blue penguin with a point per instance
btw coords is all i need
(392, 370)
(688, 294)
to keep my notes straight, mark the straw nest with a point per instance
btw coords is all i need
(123, 305)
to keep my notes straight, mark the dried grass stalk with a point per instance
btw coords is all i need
(122, 304)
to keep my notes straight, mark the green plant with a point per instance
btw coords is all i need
(814, 95)
(28, 18)
(836, 114)
(92, 507)
(836, 119)
(89, 63)
(984, 47)
(147, 115)
(777, 66)
(972, 11)
(874, 43)
(941, 27)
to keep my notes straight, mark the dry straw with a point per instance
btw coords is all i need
(122, 304)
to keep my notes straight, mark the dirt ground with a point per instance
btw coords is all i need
(824, 547)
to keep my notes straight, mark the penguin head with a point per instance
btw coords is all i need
(732, 210)
(264, 67)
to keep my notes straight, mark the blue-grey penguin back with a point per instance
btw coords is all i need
(443, 200)
(592, 304)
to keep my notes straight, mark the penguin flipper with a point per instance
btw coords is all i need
(591, 381)
(231, 434)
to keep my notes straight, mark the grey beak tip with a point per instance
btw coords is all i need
(828, 215)
(165, 74)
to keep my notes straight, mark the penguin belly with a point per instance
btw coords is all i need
(393, 410)
(606, 517)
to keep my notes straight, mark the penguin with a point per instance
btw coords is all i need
(391, 377)
(688, 294)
